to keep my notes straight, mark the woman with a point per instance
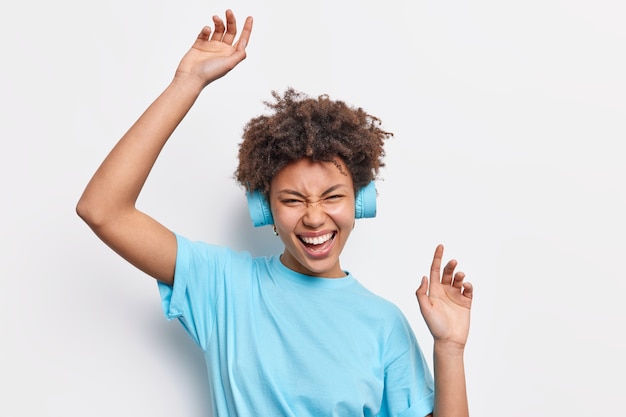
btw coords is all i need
(295, 334)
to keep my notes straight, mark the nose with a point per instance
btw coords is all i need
(314, 214)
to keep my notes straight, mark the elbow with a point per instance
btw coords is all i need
(100, 213)
(89, 213)
(83, 210)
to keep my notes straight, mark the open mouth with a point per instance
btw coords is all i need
(317, 243)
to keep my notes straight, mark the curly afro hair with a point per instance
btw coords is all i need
(302, 127)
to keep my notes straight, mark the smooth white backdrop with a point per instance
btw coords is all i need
(509, 119)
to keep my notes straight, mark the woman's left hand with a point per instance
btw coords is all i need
(445, 302)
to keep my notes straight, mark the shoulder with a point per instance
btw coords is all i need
(199, 248)
(200, 255)
(377, 302)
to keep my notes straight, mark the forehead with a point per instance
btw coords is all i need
(307, 175)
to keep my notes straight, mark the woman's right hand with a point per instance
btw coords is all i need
(215, 52)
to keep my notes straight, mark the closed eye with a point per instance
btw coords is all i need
(292, 202)
(334, 197)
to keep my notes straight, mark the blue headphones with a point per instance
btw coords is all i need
(364, 205)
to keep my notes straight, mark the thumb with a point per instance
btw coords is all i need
(422, 291)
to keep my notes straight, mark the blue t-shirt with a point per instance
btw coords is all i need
(279, 343)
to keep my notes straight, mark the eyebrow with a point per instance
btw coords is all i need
(299, 194)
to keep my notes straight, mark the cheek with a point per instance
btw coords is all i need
(285, 219)
(348, 222)
(343, 217)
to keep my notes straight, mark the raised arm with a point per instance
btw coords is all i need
(445, 302)
(108, 203)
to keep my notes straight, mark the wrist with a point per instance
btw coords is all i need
(447, 348)
(187, 82)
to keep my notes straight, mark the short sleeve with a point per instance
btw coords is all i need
(198, 278)
(409, 385)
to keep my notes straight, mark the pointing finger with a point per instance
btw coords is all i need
(435, 267)
(245, 34)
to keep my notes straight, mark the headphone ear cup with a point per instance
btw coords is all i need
(259, 209)
(365, 202)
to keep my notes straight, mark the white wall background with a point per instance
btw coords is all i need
(509, 120)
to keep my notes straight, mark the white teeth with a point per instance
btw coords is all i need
(316, 240)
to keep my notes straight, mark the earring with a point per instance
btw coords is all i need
(275, 231)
